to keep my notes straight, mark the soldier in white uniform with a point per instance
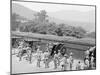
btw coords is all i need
(29, 53)
(87, 53)
(38, 56)
(71, 60)
(55, 60)
(46, 56)
(20, 48)
(38, 49)
(64, 62)
(59, 56)
(92, 61)
(87, 63)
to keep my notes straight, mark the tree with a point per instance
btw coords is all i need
(91, 35)
(63, 28)
(41, 21)
(67, 30)
(14, 22)
(59, 32)
(52, 28)
(41, 16)
(42, 27)
(79, 32)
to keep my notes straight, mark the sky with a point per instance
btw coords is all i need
(54, 7)
(84, 15)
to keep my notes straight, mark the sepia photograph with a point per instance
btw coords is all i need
(52, 37)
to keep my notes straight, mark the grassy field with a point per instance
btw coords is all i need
(65, 39)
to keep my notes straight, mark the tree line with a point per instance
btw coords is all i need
(41, 24)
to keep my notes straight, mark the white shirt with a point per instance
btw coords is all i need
(92, 59)
(87, 62)
(70, 59)
(55, 56)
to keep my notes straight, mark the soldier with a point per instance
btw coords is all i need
(46, 55)
(38, 56)
(71, 60)
(29, 53)
(20, 49)
(38, 49)
(92, 61)
(64, 62)
(87, 52)
(59, 55)
(86, 63)
(55, 60)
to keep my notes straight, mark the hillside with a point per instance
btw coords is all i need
(91, 35)
(23, 11)
(82, 19)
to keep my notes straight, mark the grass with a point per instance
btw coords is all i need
(65, 39)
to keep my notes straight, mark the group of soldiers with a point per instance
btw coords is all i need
(65, 62)
(90, 58)
(58, 59)
(24, 50)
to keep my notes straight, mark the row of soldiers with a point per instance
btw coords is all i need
(58, 59)
(66, 61)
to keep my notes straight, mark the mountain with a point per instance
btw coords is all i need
(76, 18)
(74, 15)
(68, 17)
(23, 11)
(91, 35)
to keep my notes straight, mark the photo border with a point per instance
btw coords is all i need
(51, 3)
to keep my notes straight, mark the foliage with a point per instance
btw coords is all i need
(41, 16)
(42, 25)
(91, 35)
(14, 22)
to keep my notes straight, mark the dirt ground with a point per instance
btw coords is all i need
(25, 67)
